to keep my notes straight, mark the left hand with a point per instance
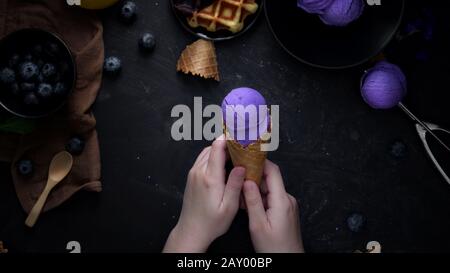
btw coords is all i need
(209, 204)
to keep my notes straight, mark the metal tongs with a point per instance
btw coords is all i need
(422, 129)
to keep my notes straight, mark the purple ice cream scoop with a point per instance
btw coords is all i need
(314, 6)
(342, 12)
(246, 115)
(384, 86)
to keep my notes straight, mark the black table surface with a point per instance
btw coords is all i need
(334, 150)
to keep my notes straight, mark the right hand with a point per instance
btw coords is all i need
(277, 228)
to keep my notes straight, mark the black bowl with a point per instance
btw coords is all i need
(221, 35)
(308, 39)
(23, 42)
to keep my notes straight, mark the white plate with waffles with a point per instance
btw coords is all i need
(222, 20)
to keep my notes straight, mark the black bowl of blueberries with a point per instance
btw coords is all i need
(37, 73)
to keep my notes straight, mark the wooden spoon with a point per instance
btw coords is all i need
(59, 168)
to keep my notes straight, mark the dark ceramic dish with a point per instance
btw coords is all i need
(19, 43)
(220, 35)
(309, 40)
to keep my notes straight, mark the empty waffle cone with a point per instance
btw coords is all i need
(199, 59)
(252, 158)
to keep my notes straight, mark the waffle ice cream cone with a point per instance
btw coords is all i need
(250, 157)
(199, 59)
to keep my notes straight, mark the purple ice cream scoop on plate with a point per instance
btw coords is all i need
(342, 12)
(314, 6)
(334, 12)
(246, 115)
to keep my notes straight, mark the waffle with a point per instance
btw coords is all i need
(224, 14)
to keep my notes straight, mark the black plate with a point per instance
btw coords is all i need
(220, 35)
(308, 39)
(18, 42)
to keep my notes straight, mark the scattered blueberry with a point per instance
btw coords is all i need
(7, 76)
(356, 222)
(398, 149)
(28, 71)
(128, 11)
(75, 146)
(27, 86)
(31, 99)
(25, 167)
(112, 65)
(48, 70)
(147, 42)
(59, 89)
(44, 90)
(14, 61)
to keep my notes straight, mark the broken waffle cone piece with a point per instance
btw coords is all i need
(199, 59)
(252, 158)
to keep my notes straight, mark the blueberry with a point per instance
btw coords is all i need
(14, 89)
(28, 57)
(38, 49)
(44, 90)
(40, 78)
(112, 65)
(52, 49)
(27, 86)
(147, 42)
(14, 61)
(40, 64)
(59, 89)
(25, 167)
(75, 146)
(398, 149)
(57, 78)
(31, 99)
(28, 71)
(7, 76)
(128, 11)
(356, 222)
(48, 70)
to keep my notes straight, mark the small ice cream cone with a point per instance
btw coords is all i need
(199, 59)
(247, 127)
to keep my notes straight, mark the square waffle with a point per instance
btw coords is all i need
(224, 14)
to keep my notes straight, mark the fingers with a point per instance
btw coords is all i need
(274, 184)
(217, 159)
(255, 208)
(203, 157)
(233, 188)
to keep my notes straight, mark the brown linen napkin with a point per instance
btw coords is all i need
(83, 32)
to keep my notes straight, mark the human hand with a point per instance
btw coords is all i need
(273, 219)
(209, 205)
